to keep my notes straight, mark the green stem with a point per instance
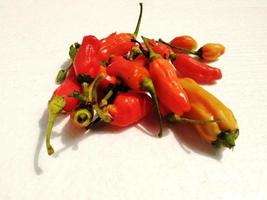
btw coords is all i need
(152, 54)
(105, 99)
(148, 86)
(104, 115)
(176, 118)
(92, 97)
(55, 106)
(139, 20)
(179, 48)
(83, 117)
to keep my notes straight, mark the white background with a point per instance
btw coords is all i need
(129, 164)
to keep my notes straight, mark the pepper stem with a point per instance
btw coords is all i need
(148, 86)
(55, 106)
(139, 20)
(92, 91)
(179, 48)
(152, 54)
(226, 139)
(176, 118)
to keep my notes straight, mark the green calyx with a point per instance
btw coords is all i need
(73, 50)
(226, 139)
(55, 106)
(148, 86)
(176, 118)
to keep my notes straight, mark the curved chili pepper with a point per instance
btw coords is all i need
(169, 90)
(136, 76)
(61, 101)
(129, 108)
(188, 66)
(119, 44)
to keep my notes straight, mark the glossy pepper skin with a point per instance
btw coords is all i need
(87, 62)
(131, 72)
(61, 101)
(116, 45)
(129, 108)
(168, 87)
(135, 75)
(185, 41)
(160, 49)
(188, 66)
(211, 51)
(205, 106)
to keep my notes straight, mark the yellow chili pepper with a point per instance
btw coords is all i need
(205, 106)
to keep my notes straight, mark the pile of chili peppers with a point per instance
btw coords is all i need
(119, 80)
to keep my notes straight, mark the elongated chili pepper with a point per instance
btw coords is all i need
(137, 77)
(119, 44)
(61, 101)
(129, 108)
(169, 90)
(206, 106)
(188, 66)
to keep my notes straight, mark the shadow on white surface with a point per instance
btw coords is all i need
(189, 140)
(71, 136)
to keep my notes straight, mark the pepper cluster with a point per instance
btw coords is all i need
(119, 80)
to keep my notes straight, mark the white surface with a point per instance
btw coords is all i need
(35, 36)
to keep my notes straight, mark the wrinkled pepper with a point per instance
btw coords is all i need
(136, 76)
(129, 108)
(168, 87)
(119, 43)
(206, 106)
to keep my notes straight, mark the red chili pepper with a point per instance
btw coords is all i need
(119, 44)
(185, 42)
(169, 90)
(87, 63)
(132, 73)
(129, 108)
(188, 66)
(160, 49)
(136, 76)
(61, 101)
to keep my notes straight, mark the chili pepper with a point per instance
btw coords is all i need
(185, 42)
(188, 66)
(129, 108)
(205, 106)
(87, 63)
(211, 51)
(61, 101)
(160, 48)
(119, 44)
(136, 76)
(168, 87)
